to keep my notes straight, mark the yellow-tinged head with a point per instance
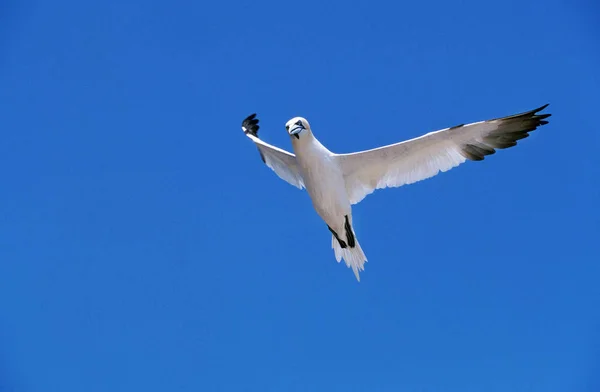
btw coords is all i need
(297, 126)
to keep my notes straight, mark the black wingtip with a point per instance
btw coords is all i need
(529, 115)
(534, 115)
(534, 111)
(250, 125)
(541, 116)
(508, 131)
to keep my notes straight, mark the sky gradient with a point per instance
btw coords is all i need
(145, 246)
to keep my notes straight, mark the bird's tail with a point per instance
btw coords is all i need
(354, 257)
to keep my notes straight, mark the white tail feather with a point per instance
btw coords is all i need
(354, 257)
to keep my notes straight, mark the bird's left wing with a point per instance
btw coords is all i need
(280, 161)
(424, 157)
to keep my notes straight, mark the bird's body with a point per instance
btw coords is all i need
(335, 182)
(324, 181)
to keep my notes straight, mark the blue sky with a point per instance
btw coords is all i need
(144, 245)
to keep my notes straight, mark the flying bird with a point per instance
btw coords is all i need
(335, 182)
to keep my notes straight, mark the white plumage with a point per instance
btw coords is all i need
(336, 181)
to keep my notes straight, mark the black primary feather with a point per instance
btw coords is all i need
(510, 129)
(250, 125)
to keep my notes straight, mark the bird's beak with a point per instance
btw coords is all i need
(296, 131)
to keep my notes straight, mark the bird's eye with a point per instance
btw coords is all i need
(287, 127)
(299, 122)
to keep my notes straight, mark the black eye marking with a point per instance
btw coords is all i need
(299, 122)
(287, 127)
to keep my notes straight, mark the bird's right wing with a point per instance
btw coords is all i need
(425, 156)
(280, 161)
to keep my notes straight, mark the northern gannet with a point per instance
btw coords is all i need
(335, 182)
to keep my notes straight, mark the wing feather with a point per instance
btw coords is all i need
(425, 156)
(280, 161)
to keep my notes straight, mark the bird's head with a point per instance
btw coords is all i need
(297, 126)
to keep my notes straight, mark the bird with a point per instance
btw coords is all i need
(337, 181)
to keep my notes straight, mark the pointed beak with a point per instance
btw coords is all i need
(296, 130)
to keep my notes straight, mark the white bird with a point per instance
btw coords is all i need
(335, 182)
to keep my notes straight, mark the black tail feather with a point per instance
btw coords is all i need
(349, 234)
(342, 243)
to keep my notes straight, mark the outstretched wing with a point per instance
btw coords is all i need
(424, 157)
(280, 161)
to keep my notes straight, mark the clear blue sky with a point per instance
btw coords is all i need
(144, 246)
